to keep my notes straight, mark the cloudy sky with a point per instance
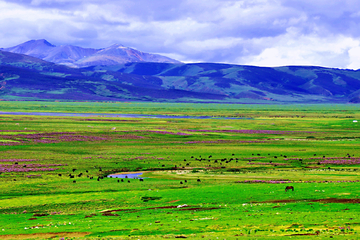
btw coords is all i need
(253, 32)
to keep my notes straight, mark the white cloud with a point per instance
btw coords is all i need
(212, 44)
(258, 32)
(293, 49)
(354, 55)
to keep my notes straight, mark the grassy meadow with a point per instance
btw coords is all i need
(213, 178)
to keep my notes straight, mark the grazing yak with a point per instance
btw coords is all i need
(288, 188)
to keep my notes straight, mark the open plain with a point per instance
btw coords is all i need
(219, 177)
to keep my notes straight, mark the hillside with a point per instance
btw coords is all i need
(303, 84)
(27, 78)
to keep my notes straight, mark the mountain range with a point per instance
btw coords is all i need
(75, 56)
(38, 70)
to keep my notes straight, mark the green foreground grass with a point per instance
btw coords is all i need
(203, 178)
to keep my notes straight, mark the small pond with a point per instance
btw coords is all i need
(126, 175)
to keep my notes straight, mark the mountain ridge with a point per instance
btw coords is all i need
(23, 77)
(76, 56)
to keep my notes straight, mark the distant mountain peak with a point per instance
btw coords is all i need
(43, 41)
(35, 48)
(117, 45)
(113, 47)
(83, 57)
(36, 43)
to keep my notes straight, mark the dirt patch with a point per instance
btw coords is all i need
(109, 214)
(146, 199)
(337, 200)
(45, 235)
(302, 234)
(174, 201)
(40, 214)
(325, 200)
(167, 207)
(197, 209)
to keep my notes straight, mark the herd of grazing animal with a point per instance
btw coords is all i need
(207, 159)
(91, 177)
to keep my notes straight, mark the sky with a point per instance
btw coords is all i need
(251, 32)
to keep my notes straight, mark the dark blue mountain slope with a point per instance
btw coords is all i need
(25, 77)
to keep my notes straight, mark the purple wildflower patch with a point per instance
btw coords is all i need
(289, 181)
(128, 136)
(266, 181)
(57, 137)
(344, 161)
(18, 160)
(106, 120)
(267, 163)
(162, 132)
(28, 167)
(9, 143)
(248, 131)
(224, 141)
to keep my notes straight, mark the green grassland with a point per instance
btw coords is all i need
(203, 178)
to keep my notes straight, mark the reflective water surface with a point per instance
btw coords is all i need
(126, 175)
